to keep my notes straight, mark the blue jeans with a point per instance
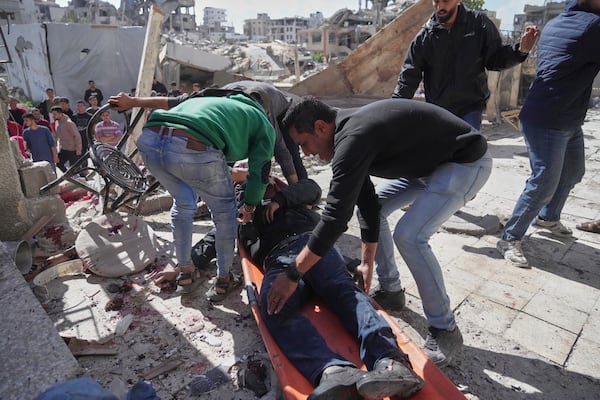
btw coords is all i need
(473, 118)
(186, 174)
(557, 163)
(434, 199)
(330, 281)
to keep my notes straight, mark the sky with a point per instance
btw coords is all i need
(238, 10)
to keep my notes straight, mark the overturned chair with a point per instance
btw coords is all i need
(120, 181)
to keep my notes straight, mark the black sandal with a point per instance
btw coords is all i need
(187, 288)
(216, 295)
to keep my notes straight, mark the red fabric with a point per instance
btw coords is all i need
(14, 128)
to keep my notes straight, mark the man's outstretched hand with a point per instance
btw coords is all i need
(121, 102)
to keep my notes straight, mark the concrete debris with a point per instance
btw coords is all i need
(81, 347)
(209, 381)
(123, 325)
(163, 368)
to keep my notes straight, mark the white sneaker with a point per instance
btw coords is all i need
(511, 251)
(555, 227)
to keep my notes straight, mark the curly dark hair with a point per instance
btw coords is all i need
(303, 113)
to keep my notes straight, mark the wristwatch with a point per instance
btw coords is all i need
(292, 272)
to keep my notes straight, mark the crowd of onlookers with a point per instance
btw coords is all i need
(55, 132)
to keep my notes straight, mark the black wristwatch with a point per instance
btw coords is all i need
(292, 272)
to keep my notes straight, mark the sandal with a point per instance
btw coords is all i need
(593, 226)
(221, 288)
(192, 282)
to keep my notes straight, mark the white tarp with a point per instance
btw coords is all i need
(67, 56)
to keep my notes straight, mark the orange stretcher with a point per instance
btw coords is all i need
(296, 387)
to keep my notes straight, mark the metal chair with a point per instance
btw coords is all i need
(117, 170)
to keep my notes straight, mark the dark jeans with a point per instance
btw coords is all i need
(330, 281)
(66, 156)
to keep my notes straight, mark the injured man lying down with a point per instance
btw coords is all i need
(280, 229)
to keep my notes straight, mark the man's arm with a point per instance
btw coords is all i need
(76, 136)
(497, 56)
(284, 157)
(123, 101)
(55, 155)
(412, 70)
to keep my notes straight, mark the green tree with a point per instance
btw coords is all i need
(474, 4)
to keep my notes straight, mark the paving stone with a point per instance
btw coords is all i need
(591, 329)
(487, 315)
(585, 359)
(504, 294)
(541, 337)
(549, 308)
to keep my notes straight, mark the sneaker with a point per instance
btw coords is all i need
(511, 251)
(441, 345)
(555, 227)
(389, 378)
(390, 300)
(338, 382)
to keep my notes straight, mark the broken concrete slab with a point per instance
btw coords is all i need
(474, 225)
(373, 68)
(35, 356)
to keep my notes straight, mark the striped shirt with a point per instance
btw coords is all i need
(108, 132)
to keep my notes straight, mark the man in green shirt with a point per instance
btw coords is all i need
(186, 144)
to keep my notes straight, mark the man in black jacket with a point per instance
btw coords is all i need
(391, 139)
(451, 54)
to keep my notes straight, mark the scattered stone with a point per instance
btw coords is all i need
(115, 304)
(254, 377)
(209, 381)
(161, 369)
(123, 325)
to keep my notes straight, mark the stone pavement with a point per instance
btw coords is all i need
(528, 333)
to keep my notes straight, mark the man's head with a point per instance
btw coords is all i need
(12, 102)
(196, 87)
(261, 97)
(93, 101)
(64, 103)
(311, 124)
(92, 84)
(446, 11)
(57, 112)
(173, 85)
(81, 106)
(50, 93)
(105, 116)
(29, 120)
(36, 114)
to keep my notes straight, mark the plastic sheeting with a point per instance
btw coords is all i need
(67, 56)
(108, 55)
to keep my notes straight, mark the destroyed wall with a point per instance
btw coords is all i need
(66, 56)
(14, 218)
(372, 69)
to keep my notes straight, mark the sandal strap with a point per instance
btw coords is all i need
(183, 276)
